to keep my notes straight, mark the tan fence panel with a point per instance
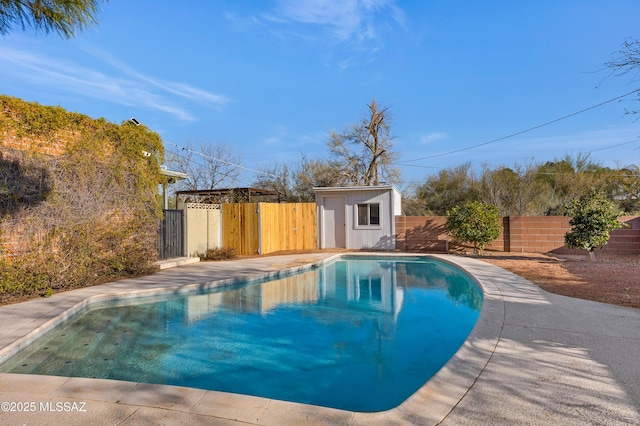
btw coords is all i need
(202, 227)
(290, 226)
(240, 227)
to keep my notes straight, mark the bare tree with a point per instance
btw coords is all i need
(208, 167)
(513, 191)
(626, 61)
(372, 160)
(315, 173)
(277, 178)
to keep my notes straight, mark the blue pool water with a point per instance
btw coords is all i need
(359, 334)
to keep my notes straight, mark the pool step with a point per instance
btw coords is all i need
(178, 261)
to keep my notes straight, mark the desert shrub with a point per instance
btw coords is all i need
(218, 253)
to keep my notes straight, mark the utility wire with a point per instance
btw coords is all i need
(223, 161)
(204, 166)
(522, 131)
(616, 145)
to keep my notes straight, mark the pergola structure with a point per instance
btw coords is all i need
(227, 195)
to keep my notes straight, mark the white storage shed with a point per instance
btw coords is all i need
(359, 217)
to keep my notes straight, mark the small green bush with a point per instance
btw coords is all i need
(593, 217)
(475, 223)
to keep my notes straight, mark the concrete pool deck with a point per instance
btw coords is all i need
(533, 358)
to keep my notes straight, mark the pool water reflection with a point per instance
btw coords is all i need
(360, 333)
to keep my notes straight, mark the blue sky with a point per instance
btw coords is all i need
(272, 78)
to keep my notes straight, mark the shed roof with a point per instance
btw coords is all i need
(353, 188)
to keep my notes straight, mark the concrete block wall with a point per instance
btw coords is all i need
(427, 233)
(626, 240)
(532, 234)
(420, 233)
(539, 234)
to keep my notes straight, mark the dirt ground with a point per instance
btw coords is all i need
(611, 279)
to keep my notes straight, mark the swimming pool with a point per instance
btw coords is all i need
(360, 334)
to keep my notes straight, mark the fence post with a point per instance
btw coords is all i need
(506, 234)
(259, 229)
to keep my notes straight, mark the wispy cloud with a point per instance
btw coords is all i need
(281, 133)
(129, 87)
(346, 20)
(433, 137)
(179, 89)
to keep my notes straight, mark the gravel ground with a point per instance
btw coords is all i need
(611, 279)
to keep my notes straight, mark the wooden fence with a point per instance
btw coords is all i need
(261, 228)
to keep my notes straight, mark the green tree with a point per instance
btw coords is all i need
(372, 160)
(593, 217)
(474, 223)
(624, 188)
(570, 178)
(450, 187)
(61, 16)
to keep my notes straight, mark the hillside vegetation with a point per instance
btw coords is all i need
(78, 199)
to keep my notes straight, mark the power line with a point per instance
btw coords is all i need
(522, 131)
(616, 145)
(204, 166)
(223, 161)
(593, 150)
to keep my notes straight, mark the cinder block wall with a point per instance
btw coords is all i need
(533, 234)
(427, 233)
(626, 240)
(538, 234)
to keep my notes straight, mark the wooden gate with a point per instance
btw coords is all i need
(261, 228)
(240, 227)
(289, 226)
(171, 235)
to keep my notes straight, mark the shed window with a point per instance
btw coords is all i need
(368, 214)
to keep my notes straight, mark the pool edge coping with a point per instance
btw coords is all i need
(431, 403)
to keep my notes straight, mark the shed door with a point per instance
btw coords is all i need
(333, 223)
